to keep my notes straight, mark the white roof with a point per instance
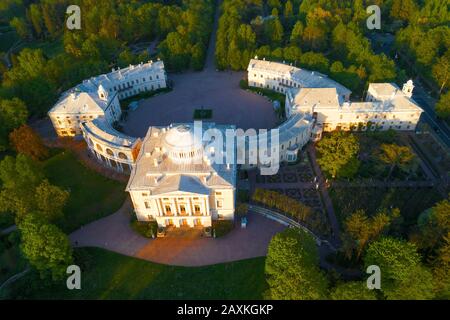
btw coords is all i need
(102, 130)
(306, 78)
(153, 165)
(316, 96)
(129, 72)
(382, 90)
(80, 102)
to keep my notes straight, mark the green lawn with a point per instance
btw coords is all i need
(92, 196)
(108, 275)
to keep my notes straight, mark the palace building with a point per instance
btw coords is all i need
(98, 97)
(386, 107)
(175, 181)
(280, 77)
(109, 146)
(315, 103)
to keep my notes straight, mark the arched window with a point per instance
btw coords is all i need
(99, 148)
(123, 156)
(109, 152)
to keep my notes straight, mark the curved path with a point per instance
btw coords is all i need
(181, 248)
(209, 88)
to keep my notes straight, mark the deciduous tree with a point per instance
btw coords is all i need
(292, 267)
(25, 140)
(336, 150)
(45, 246)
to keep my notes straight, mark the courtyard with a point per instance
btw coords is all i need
(187, 248)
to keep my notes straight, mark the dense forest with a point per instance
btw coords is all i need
(332, 37)
(180, 31)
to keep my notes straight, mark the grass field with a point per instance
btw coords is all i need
(92, 196)
(109, 275)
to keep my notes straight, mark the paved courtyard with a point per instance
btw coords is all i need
(186, 249)
(214, 90)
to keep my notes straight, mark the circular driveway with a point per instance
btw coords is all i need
(211, 89)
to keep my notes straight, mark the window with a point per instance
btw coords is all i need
(144, 194)
(219, 203)
(147, 205)
(196, 209)
(218, 193)
(168, 209)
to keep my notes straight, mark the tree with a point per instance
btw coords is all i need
(403, 9)
(396, 156)
(273, 31)
(360, 230)
(297, 33)
(355, 290)
(403, 275)
(292, 267)
(21, 27)
(50, 200)
(35, 15)
(288, 9)
(336, 151)
(45, 246)
(441, 71)
(25, 140)
(443, 106)
(20, 176)
(441, 270)
(13, 113)
(434, 225)
(314, 61)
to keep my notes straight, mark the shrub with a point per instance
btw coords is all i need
(222, 227)
(144, 228)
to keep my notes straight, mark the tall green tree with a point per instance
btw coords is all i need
(443, 106)
(45, 246)
(19, 176)
(396, 156)
(297, 34)
(21, 27)
(336, 150)
(360, 230)
(50, 200)
(292, 267)
(403, 275)
(13, 113)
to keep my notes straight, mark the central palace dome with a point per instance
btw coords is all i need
(181, 145)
